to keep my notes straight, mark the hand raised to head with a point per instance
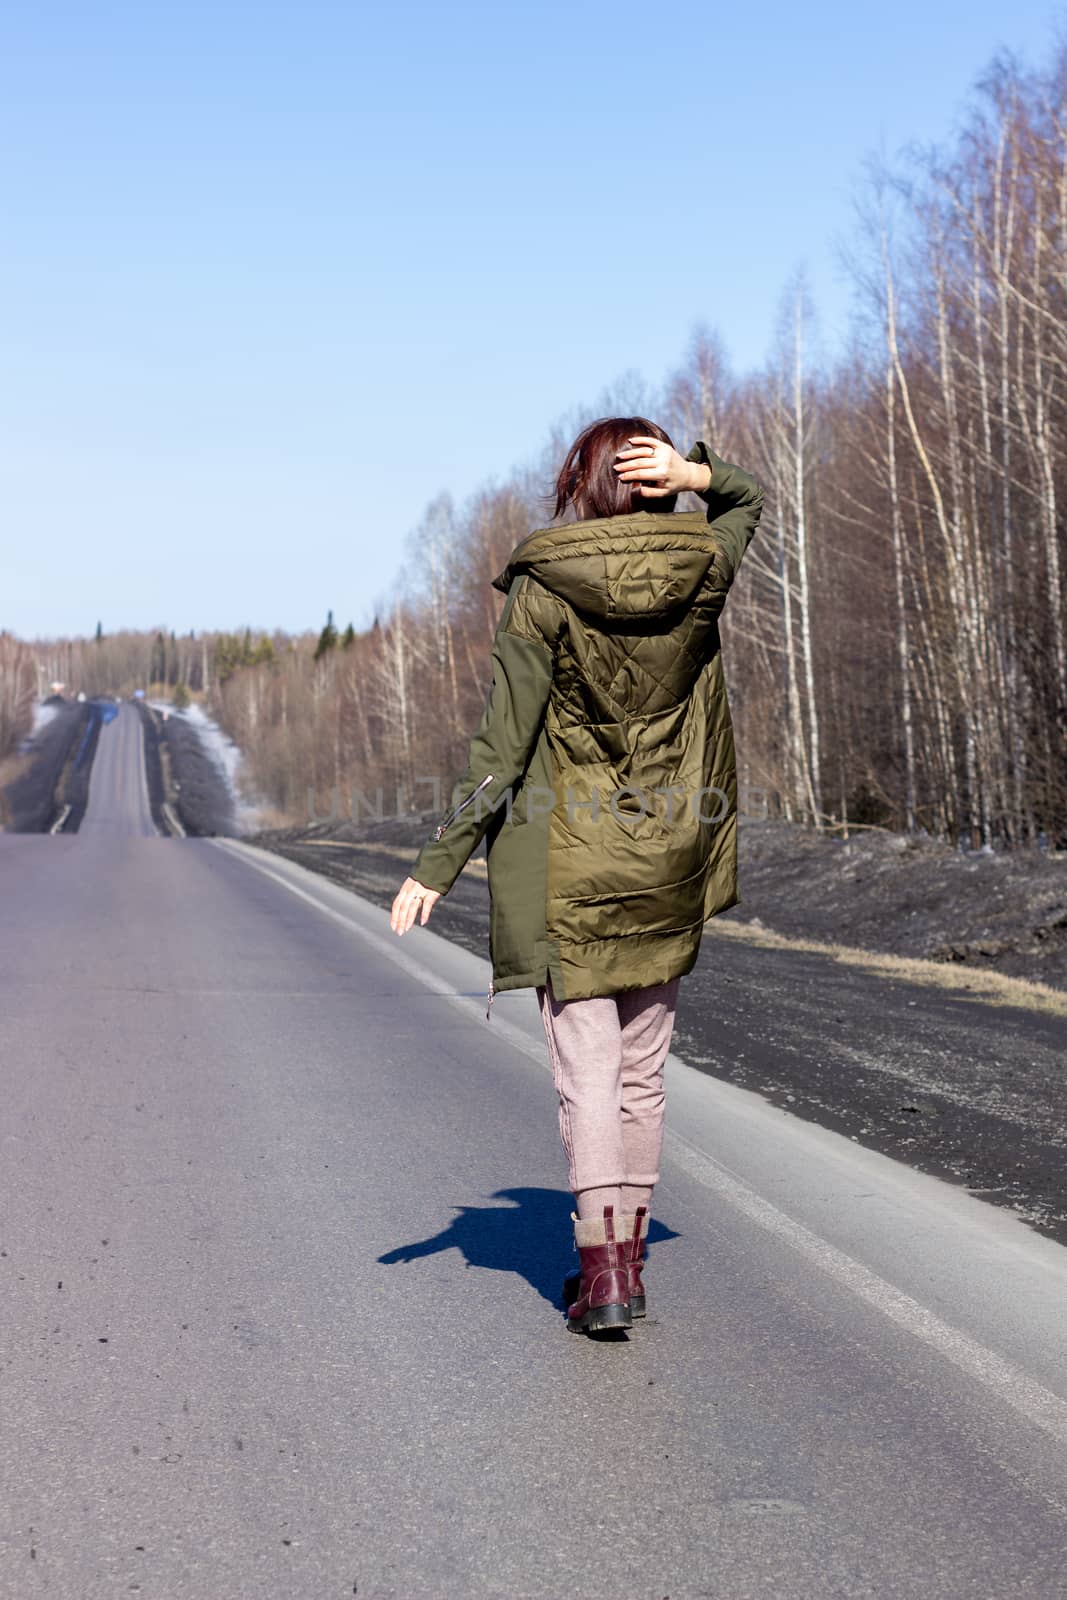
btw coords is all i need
(657, 469)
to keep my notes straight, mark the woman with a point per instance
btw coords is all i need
(602, 776)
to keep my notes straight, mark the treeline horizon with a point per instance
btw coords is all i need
(896, 646)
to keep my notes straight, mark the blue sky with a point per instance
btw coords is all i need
(273, 275)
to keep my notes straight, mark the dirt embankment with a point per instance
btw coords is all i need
(910, 897)
(183, 781)
(50, 778)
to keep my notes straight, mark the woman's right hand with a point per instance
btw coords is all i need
(413, 901)
(658, 469)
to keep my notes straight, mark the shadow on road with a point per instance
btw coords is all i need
(529, 1236)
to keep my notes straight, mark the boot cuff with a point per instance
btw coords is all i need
(591, 1231)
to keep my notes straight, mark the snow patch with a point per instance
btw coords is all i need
(42, 716)
(221, 750)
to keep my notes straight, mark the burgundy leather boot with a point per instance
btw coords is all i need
(636, 1249)
(633, 1243)
(603, 1300)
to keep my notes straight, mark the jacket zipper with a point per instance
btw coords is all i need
(456, 811)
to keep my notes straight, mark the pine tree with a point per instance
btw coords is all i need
(327, 638)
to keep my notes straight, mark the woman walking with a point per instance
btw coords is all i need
(602, 777)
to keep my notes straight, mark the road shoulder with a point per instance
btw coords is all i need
(984, 1289)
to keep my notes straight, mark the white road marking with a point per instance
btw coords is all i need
(170, 817)
(58, 824)
(1023, 1393)
(1008, 1382)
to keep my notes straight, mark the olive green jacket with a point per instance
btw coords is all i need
(602, 774)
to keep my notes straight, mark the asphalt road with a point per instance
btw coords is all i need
(118, 794)
(282, 1227)
(929, 1073)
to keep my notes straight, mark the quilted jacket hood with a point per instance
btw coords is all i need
(646, 564)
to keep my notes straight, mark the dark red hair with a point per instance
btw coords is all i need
(588, 480)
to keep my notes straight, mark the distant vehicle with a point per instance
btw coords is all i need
(81, 697)
(138, 694)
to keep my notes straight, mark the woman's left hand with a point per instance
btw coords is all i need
(658, 468)
(413, 900)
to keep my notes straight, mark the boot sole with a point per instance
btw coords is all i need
(602, 1319)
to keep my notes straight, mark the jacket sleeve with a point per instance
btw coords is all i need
(523, 657)
(734, 501)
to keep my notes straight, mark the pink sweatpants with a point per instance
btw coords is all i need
(607, 1063)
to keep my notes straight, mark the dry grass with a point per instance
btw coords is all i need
(991, 988)
(11, 767)
(268, 818)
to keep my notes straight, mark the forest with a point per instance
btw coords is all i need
(896, 643)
